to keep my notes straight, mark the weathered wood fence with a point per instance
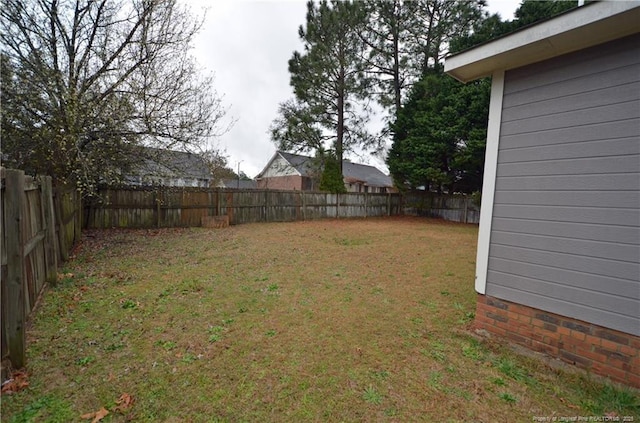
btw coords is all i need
(39, 225)
(455, 208)
(136, 207)
(146, 207)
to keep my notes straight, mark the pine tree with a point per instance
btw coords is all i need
(328, 83)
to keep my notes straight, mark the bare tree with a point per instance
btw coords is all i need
(88, 83)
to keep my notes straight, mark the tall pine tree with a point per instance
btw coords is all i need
(439, 134)
(328, 83)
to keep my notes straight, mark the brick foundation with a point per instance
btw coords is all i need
(600, 350)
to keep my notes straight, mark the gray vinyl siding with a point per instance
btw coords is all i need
(565, 235)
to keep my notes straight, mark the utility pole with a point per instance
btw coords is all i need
(240, 161)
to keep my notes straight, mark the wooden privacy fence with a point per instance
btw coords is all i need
(455, 208)
(140, 207)
(39, 226)
(146, 207)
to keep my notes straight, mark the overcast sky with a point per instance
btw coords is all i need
(247, 45)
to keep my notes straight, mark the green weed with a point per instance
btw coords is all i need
(372, 396)
(48, 408)
(507, 397)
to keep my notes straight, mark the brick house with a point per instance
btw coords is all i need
(286, 171)
(558, 260)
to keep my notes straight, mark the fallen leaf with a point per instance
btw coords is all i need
(17, 382)
(124, 402)
(96, 415)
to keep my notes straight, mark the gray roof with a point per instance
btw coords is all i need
(302, 164)
(370, 175)
(171, 163)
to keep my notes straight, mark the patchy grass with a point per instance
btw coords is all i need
(335, 320)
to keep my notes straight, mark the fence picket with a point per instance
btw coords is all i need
(29, 242)
(187, 206)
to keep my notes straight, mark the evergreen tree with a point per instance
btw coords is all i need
(387, 53)
(439, 135)
(328, 84)
(434, 24)
(331, 178)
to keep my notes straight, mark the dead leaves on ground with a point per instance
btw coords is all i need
(123, 404)
(96, 416)
(16, 383)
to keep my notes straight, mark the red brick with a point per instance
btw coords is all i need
(498, 331)
(593, 340)
(481, 318)
(564, 331)
(609, 345)
(504, 326)
(537, 322)
(495, 303)
(613, 335)
(577, 326)
(554, 342)
(542, 347)
(513, 316)
(591, 355)
(606, 352)
(575, 359)
(524, 318)
(517, 338)
(616, 374)
(631, 352)
(571, 344)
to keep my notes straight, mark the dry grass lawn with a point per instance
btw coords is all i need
(328, 321)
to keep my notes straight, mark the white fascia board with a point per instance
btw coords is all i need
(259, 175)
(290, 166)
(584, 27)
(489, 181)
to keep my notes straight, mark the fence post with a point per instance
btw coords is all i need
(466, 208)
(366, 203)
(62, 229)
(157, 196)
(230, 206)
(77, 235)
(304, 205)
(388, 204)
(15, 259)
(50, 243)
(266, 206)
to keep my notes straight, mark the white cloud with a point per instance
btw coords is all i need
(247, 45)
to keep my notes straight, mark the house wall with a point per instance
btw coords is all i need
(565, 231)
(598, 349)
(280, 167)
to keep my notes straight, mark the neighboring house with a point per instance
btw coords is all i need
(237, 183)
(170, 168)
(288, 171)
(558, 261)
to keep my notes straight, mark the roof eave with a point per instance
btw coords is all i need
(586, 26)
